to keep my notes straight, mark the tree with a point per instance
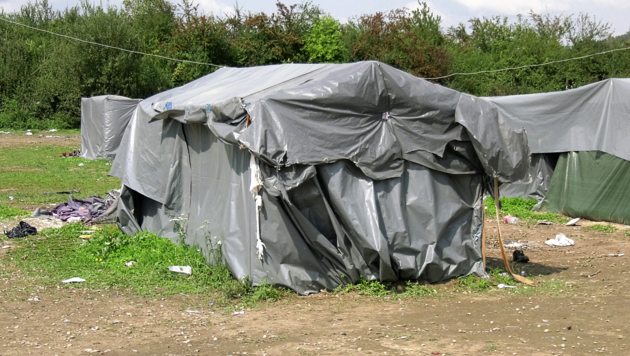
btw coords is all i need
(324, 43)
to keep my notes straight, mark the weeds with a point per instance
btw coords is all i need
(7, 211)
(601, 228)
(33, 170)
(57, 254)
(521, 208)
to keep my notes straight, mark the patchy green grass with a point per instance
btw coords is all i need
(27, 173)
(58, 254)
(522, 209)
(8, 211)
(601, 228)
(468, 284)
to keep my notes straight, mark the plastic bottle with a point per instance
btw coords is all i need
(510, 220)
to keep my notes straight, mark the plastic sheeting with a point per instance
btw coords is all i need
(590, 118)
(541, 171)
(592, 185)
(367, 172)
(103, 122)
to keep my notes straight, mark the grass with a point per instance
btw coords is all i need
(8, 211)
(521, 208)
(601, 228)
(469, 284)
(26, 173)
(58, 254)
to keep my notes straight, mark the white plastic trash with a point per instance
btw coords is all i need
(510, 220)
(52, 130)
(181, 269)
(561, 241)
(573, 222)
(80, 164)
(29, 134)
(502, 286)
(73, 280)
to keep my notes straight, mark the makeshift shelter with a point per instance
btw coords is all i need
(581, 135)
(315, 175)
(103, 122)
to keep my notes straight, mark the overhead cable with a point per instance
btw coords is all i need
(110, 47)
(530, 65)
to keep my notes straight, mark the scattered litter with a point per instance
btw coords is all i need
(544, 223)
(52, 130)
(29, 134)
(519, 256)
(34, 299)
(64, 192)
(505, 274)
(90, 351)
(81, 164)
(49, 137)
(10, 198)
(515, 245)
(615, 254)
(193, 311)
(501, 286)
(130, 263)
(73, 280)
(6, 246)
(573, 222)
(592, 274)
(74, 219)
(22, 230)
(181, 269)
(85, 237)
(510, 219)
(239, 313)
(561, 241)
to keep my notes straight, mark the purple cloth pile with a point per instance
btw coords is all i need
(87, 209)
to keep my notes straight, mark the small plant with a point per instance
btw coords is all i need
(418, 290)
(372, 288)
(601, 228)
(473, 283)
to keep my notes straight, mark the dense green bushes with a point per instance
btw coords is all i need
(43, 77)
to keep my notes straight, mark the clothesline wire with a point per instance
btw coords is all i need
(108, 46)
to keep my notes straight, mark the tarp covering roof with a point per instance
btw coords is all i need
(593, 117)
(356, 169)
(103, 122)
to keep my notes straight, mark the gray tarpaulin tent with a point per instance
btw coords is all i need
(313, 175)
(586, 131)
(103, 122)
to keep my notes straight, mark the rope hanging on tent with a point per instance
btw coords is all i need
(505, 261)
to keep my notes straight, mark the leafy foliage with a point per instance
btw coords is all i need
(43, 77)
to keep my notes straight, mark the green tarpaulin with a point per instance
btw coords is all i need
(590, 184)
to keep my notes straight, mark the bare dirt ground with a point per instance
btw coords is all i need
(587, 315)
(21, 140)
